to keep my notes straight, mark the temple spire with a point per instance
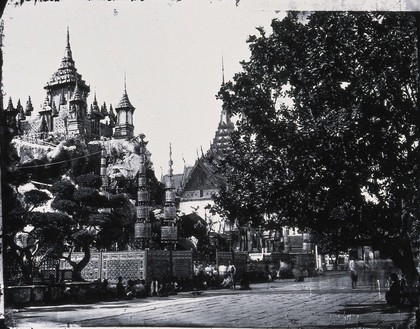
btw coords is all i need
(67, 52)
(142, 227)
(77, 95)
(29, 107)
(169, 231)
(223, 72)
(125, 82)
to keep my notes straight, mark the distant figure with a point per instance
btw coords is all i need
(393, 296)
(405, 294)
(227, 281)
(154, 287)
(104, 290)
(120, 289)
(298, 274)
(131, 289)
(231, 270)
(353, 273)
(141, 288)
(163, 289)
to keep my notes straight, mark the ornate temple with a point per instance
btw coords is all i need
(65, 112)
(198, 183)
(196, 186)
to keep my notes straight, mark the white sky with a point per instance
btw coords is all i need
(170, 50)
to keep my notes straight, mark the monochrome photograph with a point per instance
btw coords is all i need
(210, 163)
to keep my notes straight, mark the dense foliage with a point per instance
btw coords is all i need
(327, 131)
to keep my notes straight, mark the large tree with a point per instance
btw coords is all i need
(22, 235)
(328, 130)
(91, 222)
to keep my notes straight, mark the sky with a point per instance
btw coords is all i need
(169, 50)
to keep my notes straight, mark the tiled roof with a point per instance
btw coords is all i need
(125, 102)
(67, 72)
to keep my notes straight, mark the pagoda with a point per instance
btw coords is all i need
(169, 231)
(143, 226)
(124, 127)
(65, 112)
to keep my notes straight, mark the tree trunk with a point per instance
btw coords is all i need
(405, 260)
(78, 267)
(405, 257)
(27, 265)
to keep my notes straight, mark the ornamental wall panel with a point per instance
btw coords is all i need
(31, 128)
(129, 265)
(91, 271)
(60, 126)
(132, 265)
(158, 265)
(182, 264)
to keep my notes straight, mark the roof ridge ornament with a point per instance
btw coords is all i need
(223, 72)
(125, 82)
(67, 52)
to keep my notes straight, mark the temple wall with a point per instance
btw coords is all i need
(132, 265)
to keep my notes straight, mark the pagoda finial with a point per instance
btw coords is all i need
(125, 82)
(170, 171)
(223, 72)
(67, 53)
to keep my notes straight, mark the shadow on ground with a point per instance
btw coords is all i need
(372, 308)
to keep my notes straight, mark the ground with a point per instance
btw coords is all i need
(321, 302)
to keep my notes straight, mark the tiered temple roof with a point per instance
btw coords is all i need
(67, 71)
(125, 102)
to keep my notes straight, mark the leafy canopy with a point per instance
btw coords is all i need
(327, 129)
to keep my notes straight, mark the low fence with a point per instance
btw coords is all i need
(135, 265)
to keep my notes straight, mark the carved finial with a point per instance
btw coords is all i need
(125, 82)
(223, 72)
(170, 172)
(67, 53)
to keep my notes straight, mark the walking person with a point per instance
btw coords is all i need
(353, 273)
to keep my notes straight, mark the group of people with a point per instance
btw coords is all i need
(134, 289)
(398, 293)
(211, 276)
